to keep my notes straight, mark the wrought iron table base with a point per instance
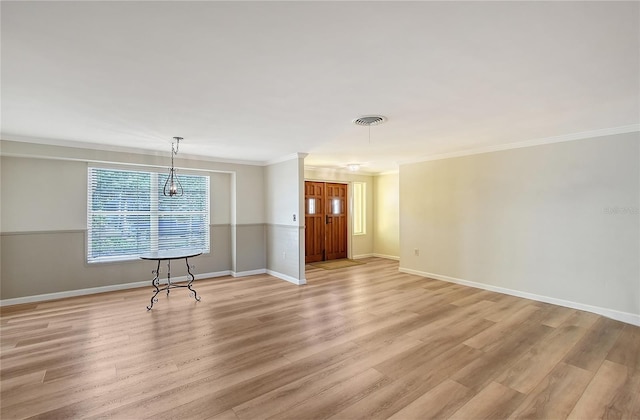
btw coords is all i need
(156, 282)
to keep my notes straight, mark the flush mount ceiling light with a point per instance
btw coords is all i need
(353, 167)
(172, 186)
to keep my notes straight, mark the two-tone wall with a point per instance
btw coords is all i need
(284, 213)
(43, 221)
(557, 222)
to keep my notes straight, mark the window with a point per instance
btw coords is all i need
(127, 214)
(311, 206)
(335, 206)
(359, 208)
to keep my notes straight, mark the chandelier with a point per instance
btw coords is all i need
(172, 186)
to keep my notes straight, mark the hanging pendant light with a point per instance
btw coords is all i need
(172, 186)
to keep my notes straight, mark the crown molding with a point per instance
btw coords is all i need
(281, 159)
(529, 143)
(120, 149)
(392, 172)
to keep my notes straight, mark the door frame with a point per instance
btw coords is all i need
(349, 211)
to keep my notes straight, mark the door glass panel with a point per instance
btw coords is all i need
(335, 206)
(311, 206)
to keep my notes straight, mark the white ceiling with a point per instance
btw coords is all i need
(258, 81)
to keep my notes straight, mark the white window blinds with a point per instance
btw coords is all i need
(127, 214)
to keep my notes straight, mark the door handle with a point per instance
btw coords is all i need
(327, 219)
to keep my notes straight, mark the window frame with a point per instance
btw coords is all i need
(359, 218)
(155, 213)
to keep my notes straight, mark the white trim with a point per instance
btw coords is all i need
(271, 273)
(132, 166)
(331, 181)
(528, 143)
(390, 172)
(389, 257)
(357, 257)
(285, 158)
(339, 170)
(112, 148)
(101, 289)
(627, 317)
(248, 273)
(290, 279)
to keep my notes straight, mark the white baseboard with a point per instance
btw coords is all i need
(271, 273)
(389, 257)
(248, 273)
(358, 257)
(290, 279)
(626, 317)
(102, 289)
(134, 285)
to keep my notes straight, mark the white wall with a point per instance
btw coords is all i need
(282, 199)
(557, 221)
(283, 185)
(360, 245)
(386, 215)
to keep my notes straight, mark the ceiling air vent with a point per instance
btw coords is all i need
(369, 120)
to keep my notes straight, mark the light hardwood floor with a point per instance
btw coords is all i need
(362, 342)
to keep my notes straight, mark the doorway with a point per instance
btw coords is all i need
(325, 221)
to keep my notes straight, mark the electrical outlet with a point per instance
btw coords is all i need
(416, 252)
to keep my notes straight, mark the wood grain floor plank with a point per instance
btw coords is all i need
(494, 363)
(408, 388)
(439, 403)
(612, 394)
(492, 335)
(543, 402)
(364, 342)
(558, 316)
(205, 396)
(495, 401)
(227, 415)
(21, 383)
(446, 318)
(595, 345)
(293, 393)
(525, 374)
(336, 398)
(626, 350)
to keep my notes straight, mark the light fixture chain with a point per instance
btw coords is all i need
(173, 186)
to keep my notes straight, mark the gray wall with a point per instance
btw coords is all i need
(43, 219)
(558, 220)
(250, 246)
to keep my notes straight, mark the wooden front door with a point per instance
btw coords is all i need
(325, 221)
(314, 221)
(336, 221)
